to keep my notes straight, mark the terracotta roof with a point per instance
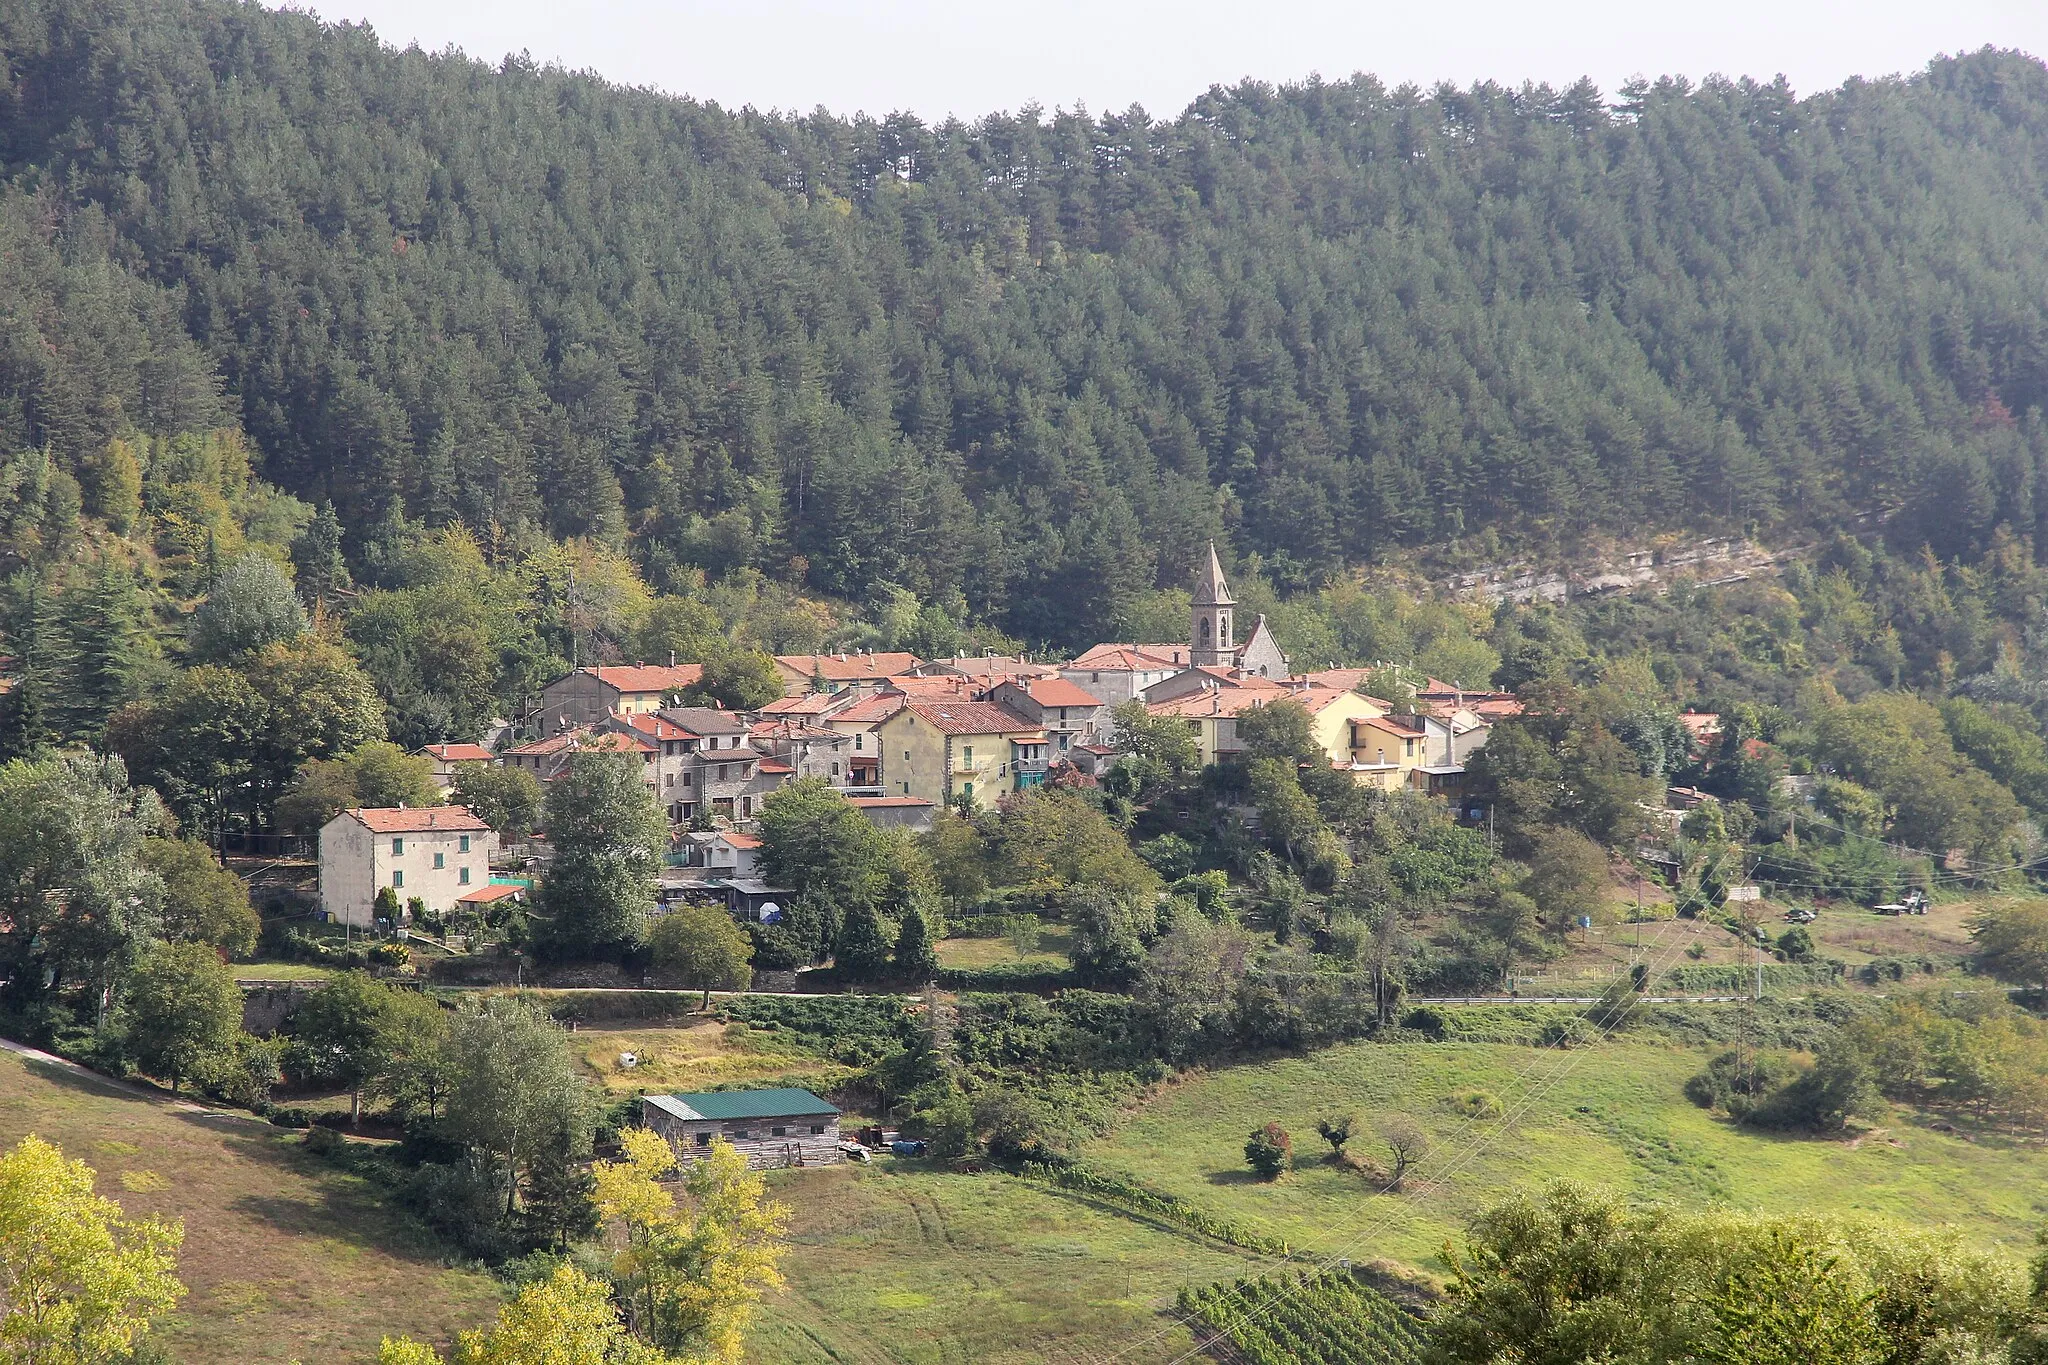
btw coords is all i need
(1343, 679)
(648, 677)
(414, 819)
(1222, 701)
(994, 666)
(804, 704)
(970, 718)
(941, 685)
(1133, 658)
(1320, 698)
(887, 802)
(1391, 725)
(553, 744)
(871, 711)
(658, 726)
(741, 840)
(1058, 692)
(484, 895)
(572, 741)
(771, 765)
(848, 667)
(458, 753)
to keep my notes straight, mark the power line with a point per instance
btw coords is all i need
(1471, 1149)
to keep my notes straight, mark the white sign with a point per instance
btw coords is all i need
(1745, 893)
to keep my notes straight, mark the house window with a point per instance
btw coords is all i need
(440, 861)
(741, 1133)
(906, 755)
(816, 1129)
(689, 779)
(703, 1139)
(462, 876)
(686, 810)
(398, 848)
(462, 844)
(967, 755)
(746, 806)
(906, 789)
(721, 771)
(859, 742)
(967, 790)
(668, 780)
(778, 1132)
(835, 770)
(398, 877)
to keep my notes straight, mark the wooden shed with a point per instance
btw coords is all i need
(773, 1128)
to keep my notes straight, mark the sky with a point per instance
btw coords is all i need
(969, 57)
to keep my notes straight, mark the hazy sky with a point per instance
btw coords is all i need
(973, 56)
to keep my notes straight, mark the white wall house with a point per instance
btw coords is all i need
(438, 853)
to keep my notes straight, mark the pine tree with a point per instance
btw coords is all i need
(916, 958)
(862, 952)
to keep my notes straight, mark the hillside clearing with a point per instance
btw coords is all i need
(1613, 1115)
(697, 1056)
(899, 1263)
(285, 1258)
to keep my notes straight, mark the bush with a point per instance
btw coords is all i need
(1269, 1151)
(464, 1202)
(323, 1141)
(1475, 1104)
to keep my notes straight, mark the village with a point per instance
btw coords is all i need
(900, 737)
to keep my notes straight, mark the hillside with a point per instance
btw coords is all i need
(1020, 368)
(1614, 1115)
(285, 1258)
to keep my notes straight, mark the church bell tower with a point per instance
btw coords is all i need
(1210, 643)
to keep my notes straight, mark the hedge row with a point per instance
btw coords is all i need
(1116, 1188)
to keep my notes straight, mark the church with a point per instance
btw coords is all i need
(1210, 631)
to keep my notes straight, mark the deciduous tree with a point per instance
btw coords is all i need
(79, 1282)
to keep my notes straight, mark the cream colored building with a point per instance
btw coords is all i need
(945, 750)
(437, 853)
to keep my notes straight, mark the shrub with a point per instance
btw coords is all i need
(1269, 1151)
(1475, 1104)
(325, 1142)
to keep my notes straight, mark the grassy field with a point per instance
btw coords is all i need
(285, 1257)
(695, 1056)
(1053, 946)
(282, 971)
(1612, 1115)
(901, 1264)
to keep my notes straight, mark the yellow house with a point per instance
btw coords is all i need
(1386, 751)
(940, 751)
(1212, 715)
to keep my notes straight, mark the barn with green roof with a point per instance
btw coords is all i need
(772, 1128)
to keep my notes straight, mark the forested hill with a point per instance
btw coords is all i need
(1023, 366)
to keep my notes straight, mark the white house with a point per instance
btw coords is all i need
(437, 853)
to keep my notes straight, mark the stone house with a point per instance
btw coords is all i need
(590, 696)
(437, 853)
(447, 757)
(1119, 672)
(771, 1128)
(546, 758)
(1068, 713)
